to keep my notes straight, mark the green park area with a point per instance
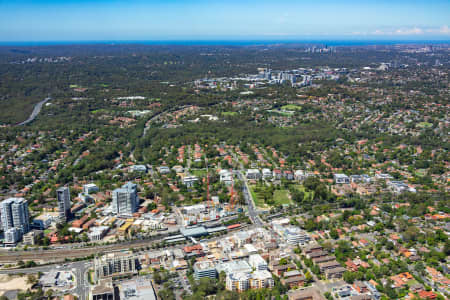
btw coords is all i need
(291, 107)
(229, 113)
(258, 198)
(199, 173)
(281, 197)
(424, 125)
(264, 197)
(309, 195)
(279, 112)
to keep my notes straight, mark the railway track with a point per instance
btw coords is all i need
(55, 255)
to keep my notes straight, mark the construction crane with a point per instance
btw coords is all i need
(208, 199)
(231, 204)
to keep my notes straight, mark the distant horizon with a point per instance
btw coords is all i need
(138, 20)
(231, 42)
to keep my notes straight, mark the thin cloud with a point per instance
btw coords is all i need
(409, 31)
(444, 30)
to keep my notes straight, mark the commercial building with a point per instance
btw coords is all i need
(97, 233)
(234, 266)
(140, 288)
(309, 293)
(43, 221)
(63, 197)
(15, 215)
(257, 262)
(30, 237)
(89, 188)
(204, 269)
(105, 290)
(125, 200)
(292, 235)
(193, 231)
(12, 235)
(115, 264)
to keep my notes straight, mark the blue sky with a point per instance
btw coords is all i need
(48, 20)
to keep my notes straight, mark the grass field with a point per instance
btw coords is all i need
(199, 173)
(421, 172)
(259, 201)
(229, 113)
(412, 282)
(281, 197)
(291, 107)
(308, 195)
(425, 125)
(99, 111)
(283, 113)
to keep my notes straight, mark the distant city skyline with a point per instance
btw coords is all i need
(82, 20)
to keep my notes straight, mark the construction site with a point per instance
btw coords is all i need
(212, 209)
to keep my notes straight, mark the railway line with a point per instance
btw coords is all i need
(56, 255)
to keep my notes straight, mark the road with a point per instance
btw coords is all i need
(252, 212)
(80, 270)
(37, 108)
(188, 160)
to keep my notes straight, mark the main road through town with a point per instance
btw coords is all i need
(37, 108)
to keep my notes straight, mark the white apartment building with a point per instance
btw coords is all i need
(125, 200)
(15, 219)
(115, 264)
(257, 262)
(63, 197)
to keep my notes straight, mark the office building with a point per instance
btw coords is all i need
(139, 288)
(105, 290)
(89, 188)
(97, 233)
(63, 197)
(15, 215)
(30, 237)
(234, 266)
(204, 269)
(292, 235)
(42, 222)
